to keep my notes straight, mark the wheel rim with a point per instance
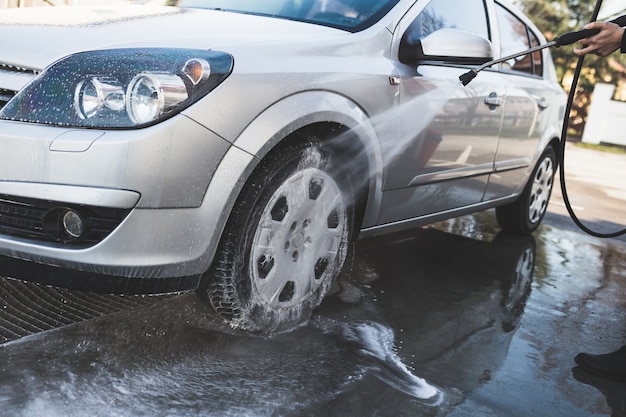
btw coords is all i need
(541, 189)
(300, 239)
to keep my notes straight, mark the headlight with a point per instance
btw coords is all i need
(150, 95)
(95, 94)
(119, 88)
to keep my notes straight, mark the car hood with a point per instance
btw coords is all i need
(33, 38)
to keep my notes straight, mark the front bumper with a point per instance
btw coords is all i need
(152, 251)
(149, 243)
(158, 176)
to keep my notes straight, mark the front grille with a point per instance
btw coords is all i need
(34, 219)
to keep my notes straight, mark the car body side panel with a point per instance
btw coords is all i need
(447, 144)
(307, 108)
(525, 134)
(535, 109)
(445, 137)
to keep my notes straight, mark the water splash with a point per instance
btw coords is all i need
(402, 125)
(402, 130)
(374, 343)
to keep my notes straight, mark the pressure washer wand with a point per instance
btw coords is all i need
(565, 39)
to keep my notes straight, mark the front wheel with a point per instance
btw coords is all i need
(285, 241)
(524, 215)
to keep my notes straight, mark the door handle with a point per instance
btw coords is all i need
(494, 101)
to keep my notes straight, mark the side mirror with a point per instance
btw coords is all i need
(445, 45)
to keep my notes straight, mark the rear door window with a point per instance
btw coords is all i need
(516, 36)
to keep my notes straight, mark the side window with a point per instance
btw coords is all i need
(468, 15)
(537, 55)
(515, 37)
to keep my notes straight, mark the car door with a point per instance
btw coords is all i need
(532, 104)
(446, 135)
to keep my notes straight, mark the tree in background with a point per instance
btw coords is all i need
(555, 17)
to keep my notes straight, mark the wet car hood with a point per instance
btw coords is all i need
(33, 38)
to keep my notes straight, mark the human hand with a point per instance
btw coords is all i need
(607, 41)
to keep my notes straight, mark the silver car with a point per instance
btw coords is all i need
(238, 147)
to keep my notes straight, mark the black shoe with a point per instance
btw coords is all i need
(608, 365)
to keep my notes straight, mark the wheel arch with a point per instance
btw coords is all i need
(320, 114)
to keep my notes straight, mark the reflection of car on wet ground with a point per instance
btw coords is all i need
(469, 295)
(239, 146)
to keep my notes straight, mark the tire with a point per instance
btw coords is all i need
(285, 241)
(525, 214)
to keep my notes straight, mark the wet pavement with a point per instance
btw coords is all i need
(454, 319)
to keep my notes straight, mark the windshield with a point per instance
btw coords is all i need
(352, 15)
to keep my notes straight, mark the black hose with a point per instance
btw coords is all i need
(568, 109)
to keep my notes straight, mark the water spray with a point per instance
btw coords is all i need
(565, 39)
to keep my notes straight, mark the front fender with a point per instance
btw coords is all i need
(273, 126)
(303, 109)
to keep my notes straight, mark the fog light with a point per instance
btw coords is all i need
(66, 224)
(72, 223)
